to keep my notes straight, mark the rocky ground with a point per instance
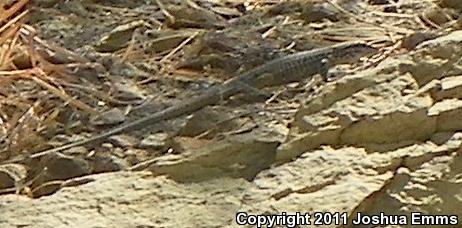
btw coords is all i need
(383, 137)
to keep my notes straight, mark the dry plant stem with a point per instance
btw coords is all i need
(95, 92)
(168, 56)
(348, 29)
(6, 55)
(430, 22)
(12, 10)
(10, 31)
(65, 97)
(13, 21)
(180, 46)
(389, 14)
(420, 21)
(15, 74)
(21, 123)
(165, 11)
(358, 18)
(14, 44)
(28, 74)
(28, 31)
(377, 59)
(130, 47)
(28, 36)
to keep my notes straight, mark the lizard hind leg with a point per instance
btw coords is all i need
(256, 89)
(324, 70)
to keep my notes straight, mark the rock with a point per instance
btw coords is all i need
(414, 186)
(12, 174)
(118, 38)
(437, 16)
(372, 107)
(448, 115)
(456, 4)
(158, 141)
(240, 156)
(47, 188)
(434, 58)
(412, 40)
(127, 92)
(106, 163)
(124, 141)
(386, 105)
(207, 120)
(293, 187)
(187, 16)
(57, 166)
(113, 116)
(205, 204)
(284, 8)
(459, 22)
(135, 156)
(318, 12)
(379, 2)
(403, 178)
(448, 88)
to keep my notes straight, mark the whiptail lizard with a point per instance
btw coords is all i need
(290, 68)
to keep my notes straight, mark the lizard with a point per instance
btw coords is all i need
(280, 71)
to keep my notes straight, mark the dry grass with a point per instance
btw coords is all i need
(28, 81)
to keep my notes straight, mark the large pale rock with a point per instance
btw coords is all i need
(393, 103)
(416, 177)
(336, 180)
(240, 156)
(449, 87)
(129, 199)
(431, 188)
(437, 58)
(448, 113)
